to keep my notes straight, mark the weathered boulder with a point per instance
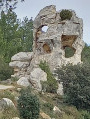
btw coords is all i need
(19, 64)
(5, 102)
(22, 56)
(23, 81)
(36, 76)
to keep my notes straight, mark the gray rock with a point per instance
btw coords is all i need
(22, 56)
(5, 102)
(23, 81)
(36, 76)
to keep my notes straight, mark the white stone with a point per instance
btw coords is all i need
(19, 64)
(22, 56)
(36, 76)
(60, 88)
(23, 81)
(5, 102)
(56, 109)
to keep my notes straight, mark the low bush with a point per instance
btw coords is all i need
(51, 84)
(65, 14)
(76, 83)
(28, 105)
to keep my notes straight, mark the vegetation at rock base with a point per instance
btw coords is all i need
(51, 84)
(65, 14)
(28, 105)
(76, 82)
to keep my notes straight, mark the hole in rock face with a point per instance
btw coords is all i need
(69, 52)
(67, 42)
(44, 28)
(46, 48)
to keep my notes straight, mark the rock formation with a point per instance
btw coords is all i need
(50, 45)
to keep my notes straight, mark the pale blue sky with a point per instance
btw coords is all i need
(31, 8)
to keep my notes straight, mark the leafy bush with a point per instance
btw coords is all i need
(51, 84)
(5, 70)
(76, 82)
(65, 14)
(28, 105)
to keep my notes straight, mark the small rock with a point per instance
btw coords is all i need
(5, 102)
(56, 109)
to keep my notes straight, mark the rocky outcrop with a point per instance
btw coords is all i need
(50, 45)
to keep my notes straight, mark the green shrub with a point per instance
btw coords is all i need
(76, 83)
(65, 14)
(51, 84)
(28, 105)
(5, 70)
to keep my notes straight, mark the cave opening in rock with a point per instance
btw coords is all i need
(46, 48)
(67, 44)
(44, 28)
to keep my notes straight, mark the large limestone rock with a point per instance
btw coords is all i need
(50, 45)
(36, 76)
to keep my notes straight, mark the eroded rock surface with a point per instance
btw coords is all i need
(50, 45)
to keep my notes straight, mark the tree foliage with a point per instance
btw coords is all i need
(15, 36)
(76, 82)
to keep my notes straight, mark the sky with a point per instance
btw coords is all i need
(31, 8)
